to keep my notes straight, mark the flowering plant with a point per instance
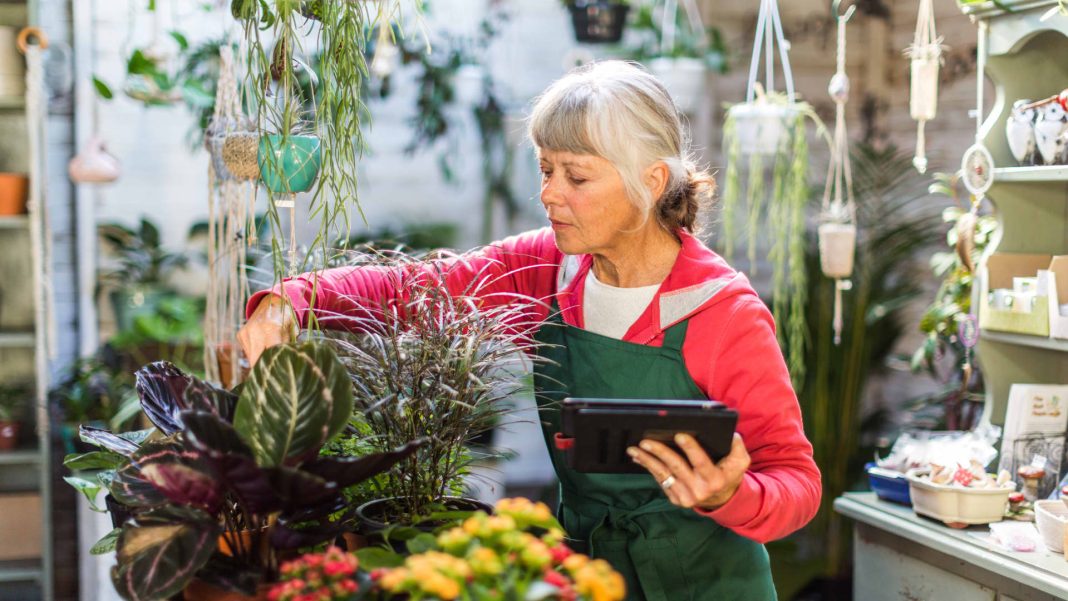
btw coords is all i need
(518, 553)
(329, 576)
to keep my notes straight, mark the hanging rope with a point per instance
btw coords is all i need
(668, 25)
(838, 233)
(926, 55)
(769, 29)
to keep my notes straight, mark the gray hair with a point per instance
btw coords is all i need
(618, 111)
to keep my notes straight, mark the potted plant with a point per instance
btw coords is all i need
(227, 483)
(598, 21)
(679, 52)
(138, 280)
(432, 365)
(93, 391)
(13, 399)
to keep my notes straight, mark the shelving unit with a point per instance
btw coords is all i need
(26, 470)
(899, 555)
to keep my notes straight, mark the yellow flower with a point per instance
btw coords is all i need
(455, 540)
(484, 561)
(575, 563)
(535, 553)
(393, 579)
(442, 587)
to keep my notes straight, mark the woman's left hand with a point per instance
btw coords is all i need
(694, 481)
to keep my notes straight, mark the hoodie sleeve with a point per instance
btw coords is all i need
(781, 491)
(519, 266)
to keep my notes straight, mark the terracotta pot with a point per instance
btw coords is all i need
(9, 435)
(198, 590)
(13, 193)
(354, 541)
(226, 370)
(245, 537)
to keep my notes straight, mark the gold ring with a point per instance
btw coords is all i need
(668, 482)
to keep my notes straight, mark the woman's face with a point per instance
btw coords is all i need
(586, 202)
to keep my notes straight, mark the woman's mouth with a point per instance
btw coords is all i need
(559, 225)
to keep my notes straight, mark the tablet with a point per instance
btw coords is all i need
(595, 433)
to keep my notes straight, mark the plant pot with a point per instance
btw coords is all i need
(372, 521)
(9, 435)
(760, 127)
(598, 21)
(354, 542)
(240, 152)
(685, 79)
(289, 164)
(468, 85)
(1051, 518)
(13, 194)
(923, 93)
(838, 244)
(226, 369)
(118, 512)
(94, 164)
(198, 590)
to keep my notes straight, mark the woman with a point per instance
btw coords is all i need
(646, 311)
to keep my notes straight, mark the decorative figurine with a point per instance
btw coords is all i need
(1050, 128)
(1020, 132)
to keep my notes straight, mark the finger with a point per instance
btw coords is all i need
(695, 453)
(679, 493)
(674, 462)
(738, 460)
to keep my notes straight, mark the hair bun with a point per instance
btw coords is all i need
(679, 207)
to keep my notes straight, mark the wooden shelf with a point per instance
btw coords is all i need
(16, 339)
(1052, 344)
(1052, 173)
(20, 570)
(20, 457)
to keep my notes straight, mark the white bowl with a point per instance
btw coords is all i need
(1050, 517)
(955, 504)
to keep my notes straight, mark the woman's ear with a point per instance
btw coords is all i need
(656, 178)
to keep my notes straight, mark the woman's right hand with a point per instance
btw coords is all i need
(273, 322)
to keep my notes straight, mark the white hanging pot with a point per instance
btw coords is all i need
(838, 243)
(94, 164)
(468, 85)
(760, 127)
(240, 154)
(923, 94)
(686, 79)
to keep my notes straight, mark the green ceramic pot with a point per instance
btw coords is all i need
(297, 160)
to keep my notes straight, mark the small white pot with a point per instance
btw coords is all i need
(923, 94)
(838, 243)
(469, 85)
(760, 126)
(94, 164)
(1051, 518)
(686, 79)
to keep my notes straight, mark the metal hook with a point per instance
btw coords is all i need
(836, 5)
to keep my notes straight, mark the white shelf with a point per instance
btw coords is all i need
(1053, 344)
(20, 570)
(16, 339)
(20, 457)
(1041, 569)
(14, 222)
(1052, 173)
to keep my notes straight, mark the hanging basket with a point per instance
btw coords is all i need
(289, 164)
(923, 92)
(239, 154)
(94, 164)
(761, 126)
(686, 79)
(838, 243)
(215, 136)
(598, 21)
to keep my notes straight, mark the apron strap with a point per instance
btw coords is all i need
(676, 335)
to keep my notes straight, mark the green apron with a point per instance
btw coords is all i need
(666, 553)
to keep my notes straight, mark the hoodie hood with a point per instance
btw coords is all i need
(699, 280)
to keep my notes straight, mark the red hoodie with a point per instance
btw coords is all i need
(730, 350)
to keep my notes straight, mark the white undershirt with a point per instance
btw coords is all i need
(610, 311)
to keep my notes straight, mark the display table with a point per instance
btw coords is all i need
(901, 556)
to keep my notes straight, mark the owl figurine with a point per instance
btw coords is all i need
(1051, 125)
(1020, 132)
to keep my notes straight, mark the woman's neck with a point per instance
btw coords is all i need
(642, 258)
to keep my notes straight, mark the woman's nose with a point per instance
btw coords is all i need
(550, 193)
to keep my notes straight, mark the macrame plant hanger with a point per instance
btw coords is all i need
(230, 223)
(926, 57)
(670, 17)
(838, 229)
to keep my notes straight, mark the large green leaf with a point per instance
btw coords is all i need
(296, 398)
(159, 552)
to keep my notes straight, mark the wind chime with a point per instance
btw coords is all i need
(838, 228)
(231, 227)
(926, 58)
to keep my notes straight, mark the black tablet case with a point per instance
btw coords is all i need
(595, 433)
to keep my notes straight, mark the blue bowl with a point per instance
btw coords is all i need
(893, 489)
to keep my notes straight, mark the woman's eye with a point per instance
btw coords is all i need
(577, 180)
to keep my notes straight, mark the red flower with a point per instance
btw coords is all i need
(560, 553)
(556, 579)
(336, 568)
(378, 573)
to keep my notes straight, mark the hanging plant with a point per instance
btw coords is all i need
(598, 21)
(293, 103)
(925, 58)
(770, 127)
